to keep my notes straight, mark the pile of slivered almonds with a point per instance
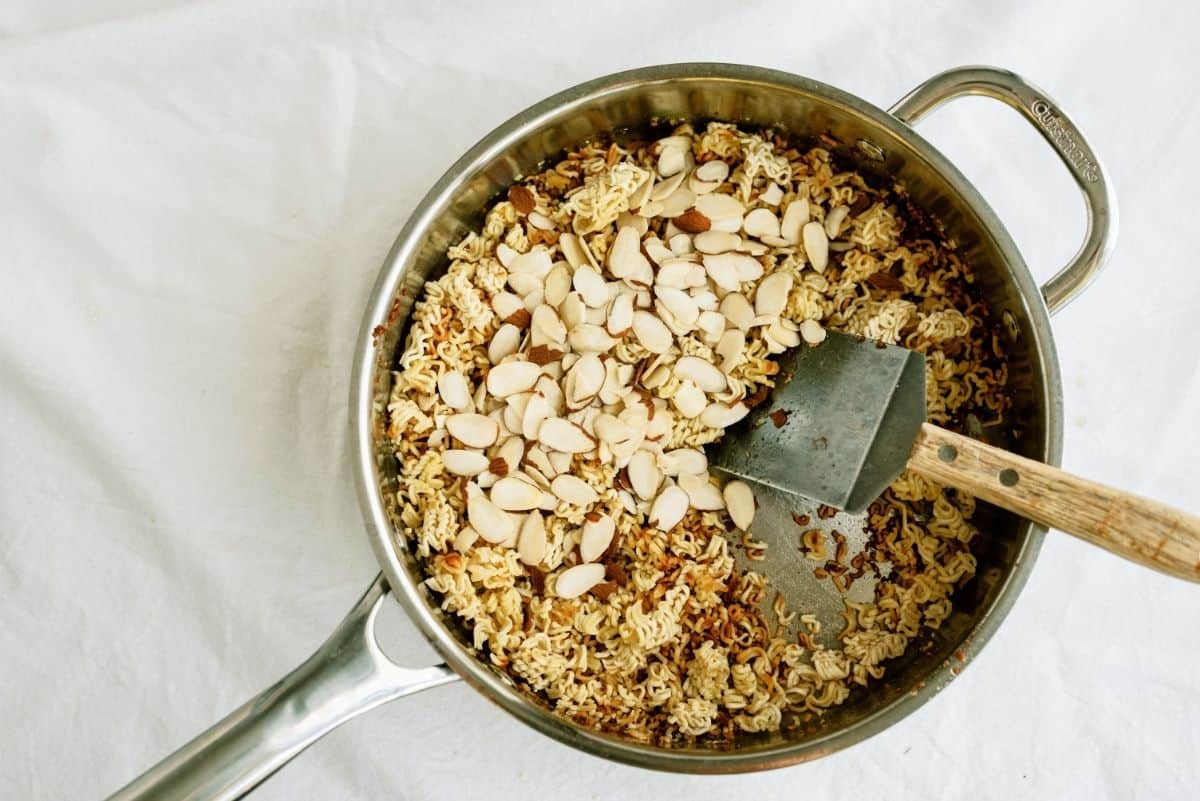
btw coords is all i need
(614, 314)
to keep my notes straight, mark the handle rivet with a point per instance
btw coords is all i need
(1008, 477)
(947, 453)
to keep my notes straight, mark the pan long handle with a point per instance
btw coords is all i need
(1141, 530)
(347, 675)
(1056, 127)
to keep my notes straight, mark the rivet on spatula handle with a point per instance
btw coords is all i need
(1141, 530)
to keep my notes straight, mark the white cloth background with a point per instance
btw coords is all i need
(194, 200)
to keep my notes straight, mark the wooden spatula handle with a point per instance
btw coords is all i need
(1141, 530)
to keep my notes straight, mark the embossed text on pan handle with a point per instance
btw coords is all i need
(1062, 134)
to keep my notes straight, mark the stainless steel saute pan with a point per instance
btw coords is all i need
(349, 674)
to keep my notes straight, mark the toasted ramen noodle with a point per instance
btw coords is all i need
(674, 644)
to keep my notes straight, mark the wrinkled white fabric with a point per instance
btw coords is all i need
(194, 200)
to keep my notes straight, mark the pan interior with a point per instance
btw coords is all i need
(874, 144)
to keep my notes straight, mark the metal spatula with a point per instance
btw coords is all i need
(848, 416)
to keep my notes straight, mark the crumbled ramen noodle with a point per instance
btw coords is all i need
(669, 641)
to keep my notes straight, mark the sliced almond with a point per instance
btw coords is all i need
(506, 304)
(748, 267)
(546, 328)
(453, 389)
(505, 254)
(714, 242)
(642, 193)
(590, 286)
(597, 536)
(677, 202)
(668, 509)
(782, 334)
(541, 221)
(573, 490)
(588, 338)
(681, 244)
(713, 171)
(515, 495)
(573, 250)
(720, 207)
(771, 297)
(684, 460)
(558, 284)
(680, 304)
(473, 430)
(464, 463)
(536, 263)
(812, 332)
(510, 378)
(834, 220)
(524, 284)
(572, 310)
(739, 500)
(704, 374)
(644, 474)
(560, 460)
(702, 493)
(657, 251)
(531, 543)
(794, 219)
(612, 429)
(563, 435)
(583, 381)
(689, 399)
(723, 415)
(504, 343)
(723, 269)
(620, 315)
(651, 332)
(512, 451)
(712, 323)
(575, 581)
(493, 523)
(467, 536)
(671, 161)
(761, 222)
(772, 195)
(816, 245)
(737, 311)
(731, 348)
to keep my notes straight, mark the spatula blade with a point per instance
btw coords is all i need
(839, 426)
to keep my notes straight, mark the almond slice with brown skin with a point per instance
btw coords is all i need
(684, 460)
(493, 523)
(731, 347)
(588, 338)
(680, 304)
(702, 373)
(536, 411)
(590, 286)
(473, 430)
(573, 490)
(620, 315)
(531, 543)
(558, 284)
(506, 304)
(464, 463)
(513, 494)
(575, 581)
(657, 251)
(546, 327)
(467, 536)
(583, 381)
(723, 415)
(668, 509)
(702, 493)
(572, 248)
(644, 474)
(834, 220)
(536, 263)
(509, 378)
(718, 207)
(625, 257)
(563, 435)
(739, 501)
(453, 389)
(596, 537)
